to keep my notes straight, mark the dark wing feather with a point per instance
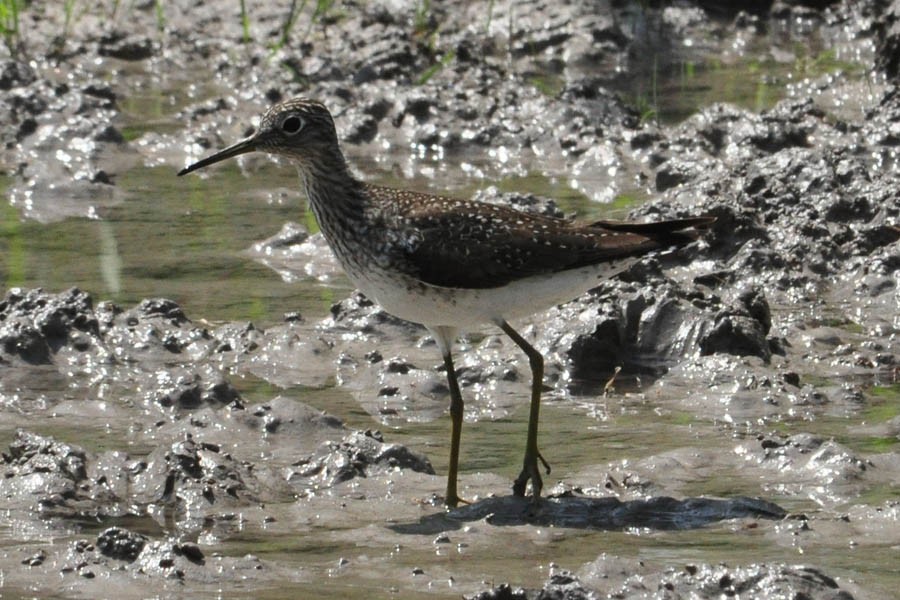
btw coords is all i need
(460, 244)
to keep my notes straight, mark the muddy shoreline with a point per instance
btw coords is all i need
(748, 445)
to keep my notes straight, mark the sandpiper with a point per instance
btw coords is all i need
(451, 265)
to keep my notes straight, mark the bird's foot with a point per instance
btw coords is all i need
(452, 499)
(531, 472)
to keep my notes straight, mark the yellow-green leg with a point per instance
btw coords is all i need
(444, 337)
(456, 420)
(532, 454)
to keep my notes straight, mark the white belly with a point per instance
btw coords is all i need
(469, 308)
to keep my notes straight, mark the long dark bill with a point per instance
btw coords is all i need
(242, 147)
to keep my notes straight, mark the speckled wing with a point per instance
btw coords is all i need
(459, 244)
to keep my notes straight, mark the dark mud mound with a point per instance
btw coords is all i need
(694, 581)
(35, 325)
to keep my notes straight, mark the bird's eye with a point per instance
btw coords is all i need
(292, 125)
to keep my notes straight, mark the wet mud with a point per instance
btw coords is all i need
(723, 420)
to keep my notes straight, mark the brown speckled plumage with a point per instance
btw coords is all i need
(465, 244)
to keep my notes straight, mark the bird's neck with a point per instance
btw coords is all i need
(335, 196)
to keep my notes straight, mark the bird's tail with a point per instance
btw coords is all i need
(659, 227)
(674, 232)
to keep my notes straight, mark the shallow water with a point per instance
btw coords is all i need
(631, 429)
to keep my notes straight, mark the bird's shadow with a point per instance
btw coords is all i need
(585, 512)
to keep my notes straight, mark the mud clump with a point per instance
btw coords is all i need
(42, 474)
(121, 544)
(118, 554)
(698, 581)
(360, 454)
(35, 325)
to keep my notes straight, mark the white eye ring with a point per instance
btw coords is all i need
(292, 124)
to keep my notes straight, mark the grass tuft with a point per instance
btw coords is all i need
(290, 20)
(436, 68)
(9, 25)
(320, 13)
(160, 15)
(245, 23)
(69, 12)
(422, 17)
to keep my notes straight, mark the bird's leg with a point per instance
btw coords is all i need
(532, 454)
(444, 337)
(456, 420)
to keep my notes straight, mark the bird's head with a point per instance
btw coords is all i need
(299, 128)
